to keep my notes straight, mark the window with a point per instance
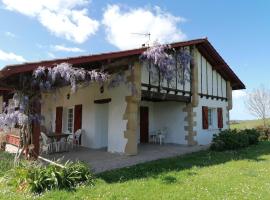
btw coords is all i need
(210, 117)
(212, 122)
(70, 120)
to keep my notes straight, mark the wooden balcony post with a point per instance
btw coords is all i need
(194, 78)
(36, 130)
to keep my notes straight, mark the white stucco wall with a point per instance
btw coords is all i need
(209, 80)
(170, 115)
(92, 119)
(161, 114)
(204, 136)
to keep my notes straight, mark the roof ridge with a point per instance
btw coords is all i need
(98, 54)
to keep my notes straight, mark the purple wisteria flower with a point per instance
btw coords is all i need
(184, 59)
(164, 61)
(14, 113)
(47, 78)
(40, 71)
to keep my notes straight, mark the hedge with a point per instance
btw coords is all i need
(234, 139)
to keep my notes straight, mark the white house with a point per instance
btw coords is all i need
(119, 120)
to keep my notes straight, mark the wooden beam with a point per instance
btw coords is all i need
(102, 101)
(213, 96)
(155, 96)
(165, 88)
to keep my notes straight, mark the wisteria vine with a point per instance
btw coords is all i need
(47, 78)
(167, 62)
(20, 111)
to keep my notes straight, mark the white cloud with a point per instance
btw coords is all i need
(237, 94)
(121, 24)
(9, 34)
(9, 56)
(51, 55)
(63, 18)
(67, 49)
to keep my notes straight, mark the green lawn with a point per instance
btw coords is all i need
(247, 124)
(243, 174)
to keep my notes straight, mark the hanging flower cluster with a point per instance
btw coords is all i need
(165, 61)
(183, 57)
(14, 113)
(158, 56)
(66, 74)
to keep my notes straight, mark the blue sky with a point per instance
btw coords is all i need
(39, 29)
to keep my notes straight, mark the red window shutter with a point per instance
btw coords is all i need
(77, 117)
(205, 117)
(220, 117)
(58, 119)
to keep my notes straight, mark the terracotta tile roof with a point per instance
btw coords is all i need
(203, 45)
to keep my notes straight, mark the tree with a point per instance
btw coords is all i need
(258, 103)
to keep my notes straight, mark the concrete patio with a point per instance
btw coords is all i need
(100, 160)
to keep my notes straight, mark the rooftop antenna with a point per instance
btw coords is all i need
(144, 35)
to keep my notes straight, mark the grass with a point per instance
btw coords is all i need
(6, 162)
(242, 174)
(247, 124)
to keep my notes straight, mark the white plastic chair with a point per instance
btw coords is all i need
(47, 145)
(77, 136)
(60, 145)
(153, 136)
(162, 134)
(70, 141)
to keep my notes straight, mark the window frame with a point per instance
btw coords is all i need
(68, 117)
(212, 118)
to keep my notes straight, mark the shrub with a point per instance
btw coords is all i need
(14, 176)
(54, 177)
(253, 135)
(17, 177)
(233, 139)
(264, 133)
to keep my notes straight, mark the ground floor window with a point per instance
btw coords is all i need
(70, 119)
(212, 121)
(210, 117)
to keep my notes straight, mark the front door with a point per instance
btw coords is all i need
(144, 124)
(102, 114)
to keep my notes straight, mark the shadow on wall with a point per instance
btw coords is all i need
(199, 159)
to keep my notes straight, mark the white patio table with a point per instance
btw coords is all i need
(58, 138)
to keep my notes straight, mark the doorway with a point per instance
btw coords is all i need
(102, 111)
(144, 124)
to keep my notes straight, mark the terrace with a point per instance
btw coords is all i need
(100, 160)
